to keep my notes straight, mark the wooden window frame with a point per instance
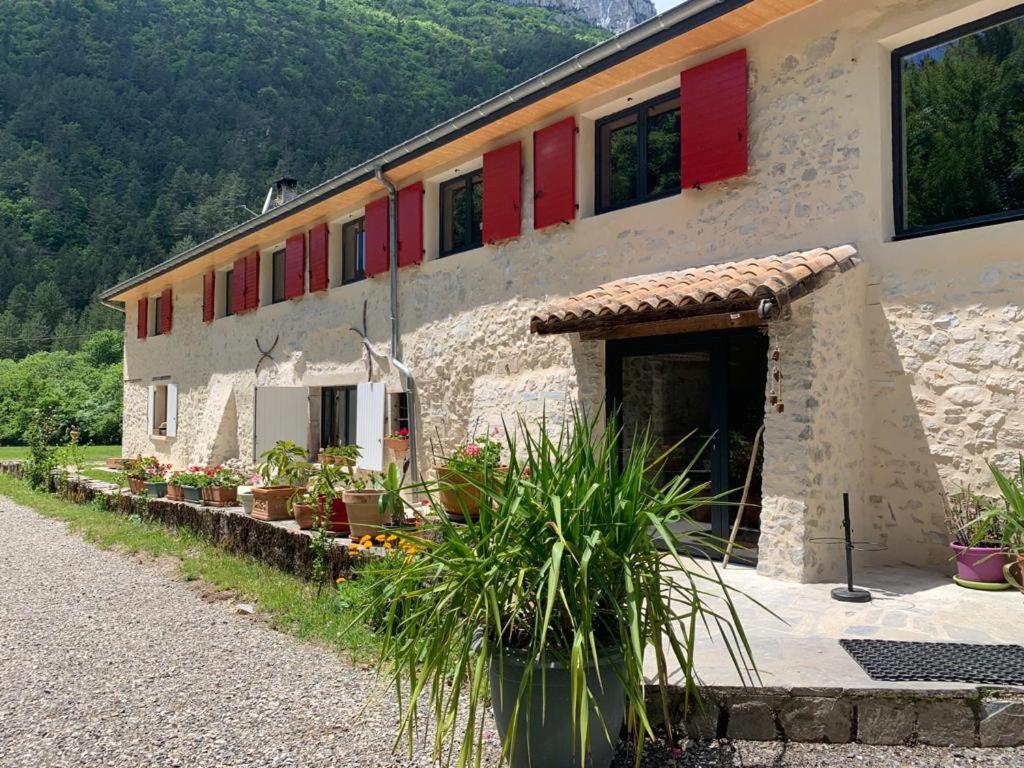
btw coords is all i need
(278, 259)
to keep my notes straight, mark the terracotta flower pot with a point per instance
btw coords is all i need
(221, 494)
(271, 503)
(303, 514)
(982, 564)
(137, 485)
(364, 515)
(460, 496)
(399, 446)
(115, 464)
(175, 492)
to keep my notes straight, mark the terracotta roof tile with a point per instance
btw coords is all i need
(697, 290)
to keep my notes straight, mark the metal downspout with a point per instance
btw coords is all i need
(410, 382)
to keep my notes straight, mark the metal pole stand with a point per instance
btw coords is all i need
(849, 593)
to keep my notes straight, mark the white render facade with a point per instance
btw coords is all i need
(901, 377)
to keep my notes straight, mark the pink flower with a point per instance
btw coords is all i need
(403, 432)
(472, 450)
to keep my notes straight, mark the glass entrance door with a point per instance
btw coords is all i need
(710, 390)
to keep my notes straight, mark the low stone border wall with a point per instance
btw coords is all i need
(968, 717)
(228, 527)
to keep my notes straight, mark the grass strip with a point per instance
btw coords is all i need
(289, 603)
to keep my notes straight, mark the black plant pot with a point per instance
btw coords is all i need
(544, 737)
(193, 493)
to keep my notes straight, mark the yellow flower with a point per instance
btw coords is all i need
(392, 537)
(380, 537)
(367, 545)
(387, 545)
(340, 580)
(365, 538)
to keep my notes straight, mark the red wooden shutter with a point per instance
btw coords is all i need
(238, 287)
(554, 174)
(318, 258)
(410, 225)
(209, 283)
(295, 266)
(142, 321)
(376, 237)
(166, 311)
(713, 120)
(252, 280)
(502, 193)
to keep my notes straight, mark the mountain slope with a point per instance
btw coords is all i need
(128, 128)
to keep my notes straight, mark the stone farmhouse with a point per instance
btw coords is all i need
(757, 221)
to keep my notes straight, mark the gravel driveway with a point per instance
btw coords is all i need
(108, 662)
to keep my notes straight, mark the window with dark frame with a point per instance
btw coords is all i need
(353, 251)
(337, 416)
(277, 288)
(958, 103)
(157, 302)
(462, 213)
(638, 154)
(228, 288)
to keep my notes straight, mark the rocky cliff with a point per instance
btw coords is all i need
(613, 15)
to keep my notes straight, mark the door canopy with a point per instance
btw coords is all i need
(730, 293)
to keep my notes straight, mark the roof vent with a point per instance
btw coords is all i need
(280, 192)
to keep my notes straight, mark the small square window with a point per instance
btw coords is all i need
(638, 154)
(277, 288)
(353, 252)
(462, 213)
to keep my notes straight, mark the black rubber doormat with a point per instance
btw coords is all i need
(946, 662)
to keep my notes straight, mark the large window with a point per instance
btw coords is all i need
(638, 154)
(462, 202)
(277, 289)
(958, 125)
(337, 416)
(353, 252)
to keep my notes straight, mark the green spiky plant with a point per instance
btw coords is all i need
(1010, 517)
(562, 565)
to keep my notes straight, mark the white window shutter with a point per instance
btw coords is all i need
(172, 409)
(152, 406)
(370, 425)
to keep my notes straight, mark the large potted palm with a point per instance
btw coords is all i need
(547, 603)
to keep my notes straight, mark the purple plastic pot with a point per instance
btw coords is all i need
(983, 564)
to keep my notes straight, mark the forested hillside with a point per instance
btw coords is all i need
(131, 128)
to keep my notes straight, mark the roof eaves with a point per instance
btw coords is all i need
(686, 16)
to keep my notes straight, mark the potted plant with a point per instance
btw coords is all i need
(1011, 513)
(549, 602)
(462, 477)
(398, 443)
(327, 486)
(223, 488)
(191, 484)
(370, 505)
(142, 470)
(174, 489)
(343, 455)
(162, 429)
(976, 529)
(284, 472)
(304, 509)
